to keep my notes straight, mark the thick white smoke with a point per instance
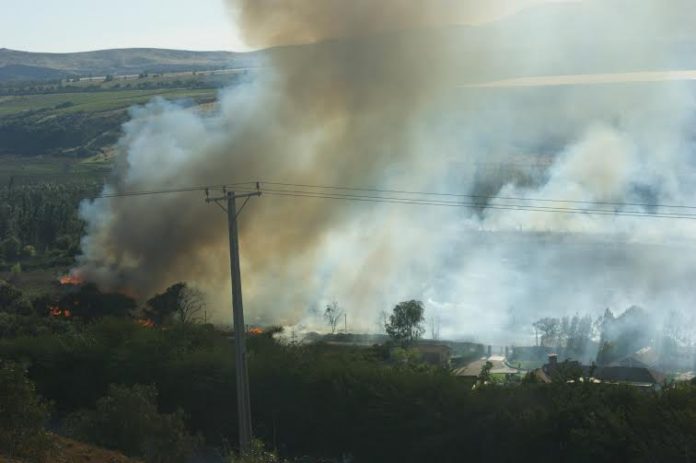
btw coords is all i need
(396, 103)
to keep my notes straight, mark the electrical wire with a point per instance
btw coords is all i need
(406, 197)
(377, 199)
(461, 195)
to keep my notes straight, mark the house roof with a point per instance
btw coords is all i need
(629, 375)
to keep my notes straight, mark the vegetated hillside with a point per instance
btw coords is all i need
(36, 66)
(508, 46)
(23, 72)
(70, 451)
(80, 124)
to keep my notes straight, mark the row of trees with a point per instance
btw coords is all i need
(179, 303)
(41, 218)
(359, 405)
(571, 336)
(81, 133)
(403, 326)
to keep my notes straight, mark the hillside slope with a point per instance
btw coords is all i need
(70, 451)
(16, 64)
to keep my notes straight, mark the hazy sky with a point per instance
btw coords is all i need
(79, 25)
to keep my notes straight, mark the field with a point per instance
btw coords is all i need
(65, 103)
(83, 119)
(22, 170)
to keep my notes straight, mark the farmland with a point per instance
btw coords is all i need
(60, 104)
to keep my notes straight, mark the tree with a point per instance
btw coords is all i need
(10, 247)
(333, 314)
(22, 414)
(405, 324)
(549, 329)
(179, 302)
(8, 295)
(485, 375)
(127, 419)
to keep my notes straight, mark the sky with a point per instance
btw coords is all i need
(82, 25)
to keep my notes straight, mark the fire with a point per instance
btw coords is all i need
(255, 331)
(58, 312)
(71, 279)
(145, 323)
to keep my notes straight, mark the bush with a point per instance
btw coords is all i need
(9, 295)
(127, 420)
(10, 247)
(257, 454)
(22, 415)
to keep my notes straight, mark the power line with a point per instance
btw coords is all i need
(431, 199)
(377, 199)
(170, 191)
(461, 195)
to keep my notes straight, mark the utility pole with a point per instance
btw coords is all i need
(243, 402)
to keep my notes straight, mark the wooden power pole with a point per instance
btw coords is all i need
(243, 402)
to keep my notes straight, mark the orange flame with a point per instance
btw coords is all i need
(72, 280)
(145, 323)
(255, 331)
(57, 312)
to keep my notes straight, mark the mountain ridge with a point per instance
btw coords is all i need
(15, 64)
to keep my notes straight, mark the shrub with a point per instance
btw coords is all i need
(22, 415)
(257, 454)
(127, 420)
(10, 247)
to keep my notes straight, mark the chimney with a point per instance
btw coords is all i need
(490, 348)
(553, 361)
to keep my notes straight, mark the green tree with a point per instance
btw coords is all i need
(127, 419)
(485, 375)
(10, 247)
(22, 415)
(9, 294)
(405, 324)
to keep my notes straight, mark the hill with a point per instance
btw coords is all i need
(66, 450)
(22, 65)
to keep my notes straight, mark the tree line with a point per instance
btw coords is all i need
(41, 220)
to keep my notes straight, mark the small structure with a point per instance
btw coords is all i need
(627, 371)
(434, 353)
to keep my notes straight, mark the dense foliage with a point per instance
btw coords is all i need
(405, 323)
(127, 419)
(22, 415)
(41, 221)
(80, 133)
(328, 401)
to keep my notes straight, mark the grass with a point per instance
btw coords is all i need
(65, 103)
(54, 169)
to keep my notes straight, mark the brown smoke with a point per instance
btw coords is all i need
(336, 113)
(266, 23)
(376, 100)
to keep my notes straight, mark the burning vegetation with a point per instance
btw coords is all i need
(71, 280)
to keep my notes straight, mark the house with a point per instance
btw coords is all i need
(626, 371)
(434, 353)
(634, 376)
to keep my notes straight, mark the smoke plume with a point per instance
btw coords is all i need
(390, 94)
